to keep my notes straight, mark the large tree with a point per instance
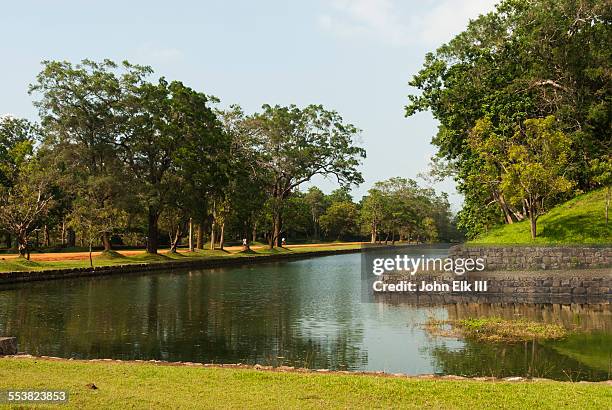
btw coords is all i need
(296, 144)
(25, 194)
(536, 166)
(82, 111)
(170, 132)
(524, 60)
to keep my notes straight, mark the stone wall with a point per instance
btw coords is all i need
(143, 268)
(561, 286)
(537, 257)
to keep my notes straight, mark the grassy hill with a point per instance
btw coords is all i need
(578, 221)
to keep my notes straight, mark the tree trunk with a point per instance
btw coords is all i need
(499, 198)
(22, 245)
(222, 236)
(276, 229)
(533, 217)
(607, 203)
(373, 236)
(190, 235)
(63, 234)
(106, 241)
(175, 241)
(254, 232)
(152, 231)
(212, 236)
(47, 239)
(90, 258)
(533, 227)
(199, 236)
(71, 238)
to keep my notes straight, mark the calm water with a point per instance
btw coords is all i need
(304, 313)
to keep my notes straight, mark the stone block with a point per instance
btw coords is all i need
(8, 346)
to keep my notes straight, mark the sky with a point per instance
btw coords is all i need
(353, 56)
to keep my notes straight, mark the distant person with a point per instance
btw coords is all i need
(283, 242)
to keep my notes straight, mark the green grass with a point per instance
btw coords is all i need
(114, 258)
(495, 329)
(580, 220)
(143, 385)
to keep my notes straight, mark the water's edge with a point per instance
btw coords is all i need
(52, 274)
(291, 369)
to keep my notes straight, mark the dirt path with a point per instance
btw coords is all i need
(73, 256)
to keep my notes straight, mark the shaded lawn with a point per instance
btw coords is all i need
(135, 385)
(115, 258)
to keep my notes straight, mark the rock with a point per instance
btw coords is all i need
(285, 368)
(91, 386)
(8, 346)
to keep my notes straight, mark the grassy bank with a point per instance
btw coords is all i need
(116, 258)
(143, 385)
(578, 221)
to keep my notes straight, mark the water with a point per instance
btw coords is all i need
(304, 313)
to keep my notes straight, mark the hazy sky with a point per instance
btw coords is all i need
(355, 56)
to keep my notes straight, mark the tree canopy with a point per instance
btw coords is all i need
(521, 62)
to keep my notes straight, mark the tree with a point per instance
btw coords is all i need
(297, 144)
(537, 163)
(315, 198)
(430, 229)
(81, 107)
(25, 196)
(342, 194)
(169, 129)
(25, 203)
(524, 60)
(297, 216)
(340, 219)
(90, 222)
(17, 137)
(373, 211)
(239, 197)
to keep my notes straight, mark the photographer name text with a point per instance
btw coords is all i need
(435, 286)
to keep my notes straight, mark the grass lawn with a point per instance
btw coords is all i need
(580, 220)
(144, 385)
(115, 258)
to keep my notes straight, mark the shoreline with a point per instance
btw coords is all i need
(303, 370)
(203, 263)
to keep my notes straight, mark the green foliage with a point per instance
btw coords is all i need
(25, 195)
(317, 203)
(340, 219)
(527, 170)
(526, 60)
(296, 144)
(17, 138)
(400, 207)
(577, 221)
